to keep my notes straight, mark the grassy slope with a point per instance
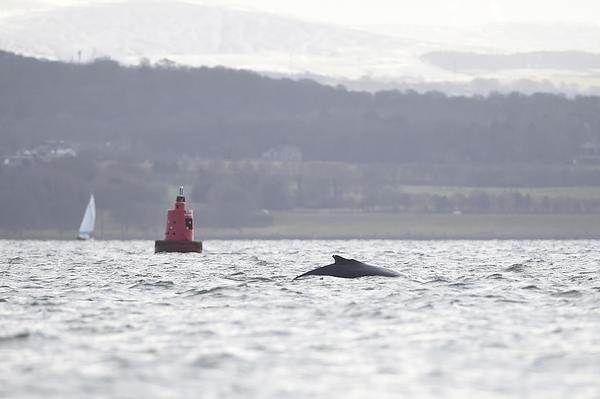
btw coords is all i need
(574, 193)
(356, 224)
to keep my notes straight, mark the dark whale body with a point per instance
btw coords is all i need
(349, 268)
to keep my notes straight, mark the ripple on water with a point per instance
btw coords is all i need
(249, 279)
(213, 290)
(214, 360)
(568, 294)
(18, 336)
(437, 279)
(459, 285)
(153, 284)
(516, 268)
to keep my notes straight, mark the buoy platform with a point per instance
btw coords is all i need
(177, 246)
(179, 230)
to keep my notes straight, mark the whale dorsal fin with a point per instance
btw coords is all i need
(339, 259)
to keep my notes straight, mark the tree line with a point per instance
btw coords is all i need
(161, 112)
(133, 197)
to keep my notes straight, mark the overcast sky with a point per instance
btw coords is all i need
(435, 11)
(427, 12)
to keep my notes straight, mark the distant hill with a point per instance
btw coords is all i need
(202, 34)
(368, 57)
(245, 145)
(150, 112)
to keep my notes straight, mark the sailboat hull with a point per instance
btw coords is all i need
(177, 246)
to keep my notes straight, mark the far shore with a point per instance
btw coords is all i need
(353, 224)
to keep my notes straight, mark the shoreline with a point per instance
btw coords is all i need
(352, 225)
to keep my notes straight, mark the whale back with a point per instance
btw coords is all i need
(349, 268)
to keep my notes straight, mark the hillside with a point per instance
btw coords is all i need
(227, 114)
(369, 57)
(246, 145)
(205, 34)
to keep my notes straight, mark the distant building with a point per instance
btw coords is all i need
(591, 147)
(590, 152)
(46, 152)
(282, 154)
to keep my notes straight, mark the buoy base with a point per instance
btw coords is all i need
(177, 246)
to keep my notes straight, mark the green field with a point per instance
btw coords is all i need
(352, 224)
(573, 193)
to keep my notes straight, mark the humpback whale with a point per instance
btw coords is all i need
(349, 268)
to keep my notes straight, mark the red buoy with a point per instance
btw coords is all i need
(179, 230)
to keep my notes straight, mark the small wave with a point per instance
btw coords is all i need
(493, 296)
(43, 302)
(258, 279)
(197, 291)
(516, 268)
(251, 279)
(15, 337)
(292, 291)
(507, 300)
(238, 276)
(413, 290)
(32, 286)
(568, 294)
(458, 285)
(496, 276)
(531, 287)
(547, 360)
(258, 261)
(151, 284)
(3, 300)
(437, 279)
(214, 361)
(425, 306)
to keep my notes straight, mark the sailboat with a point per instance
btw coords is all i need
(86, 230)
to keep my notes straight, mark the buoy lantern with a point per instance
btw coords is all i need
(179, 231)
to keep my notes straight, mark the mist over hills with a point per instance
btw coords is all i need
(499, 38)
(367, 58)
(538, 60)
(202, 35)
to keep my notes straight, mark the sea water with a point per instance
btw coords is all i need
(465, 319)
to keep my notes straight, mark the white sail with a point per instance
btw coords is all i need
(86, 230)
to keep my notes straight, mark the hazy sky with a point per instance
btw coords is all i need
(437, 12)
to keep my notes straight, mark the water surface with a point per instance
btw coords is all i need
(466, 319)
